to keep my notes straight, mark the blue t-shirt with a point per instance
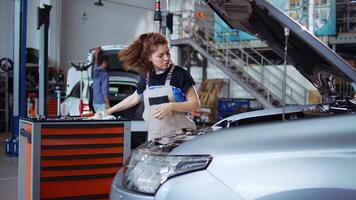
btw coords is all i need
(100, 84)
(181, 82)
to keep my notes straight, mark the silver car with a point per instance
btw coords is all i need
(262, 116)
(302, 159)
(309, 155)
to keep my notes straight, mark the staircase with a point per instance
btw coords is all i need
(255, 74)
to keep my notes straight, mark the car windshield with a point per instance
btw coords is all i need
(121, 90)
(75, 91)
(115, 62)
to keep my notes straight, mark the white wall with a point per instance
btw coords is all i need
(32, 35)
(7, 11)
(84, 25)
(71, 34)
(182, 5)
(6, 28)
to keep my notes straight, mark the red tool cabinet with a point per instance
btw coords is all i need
(70, 159)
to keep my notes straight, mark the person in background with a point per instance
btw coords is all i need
(100, 78)
(168, 91)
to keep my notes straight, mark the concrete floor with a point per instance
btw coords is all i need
(8, 172)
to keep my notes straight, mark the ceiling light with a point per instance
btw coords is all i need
(98, 3)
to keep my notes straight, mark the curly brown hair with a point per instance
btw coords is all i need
(136, 56)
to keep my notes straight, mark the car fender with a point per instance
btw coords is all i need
(193, 186)
(257, 176)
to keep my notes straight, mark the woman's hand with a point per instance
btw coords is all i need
(162, 110)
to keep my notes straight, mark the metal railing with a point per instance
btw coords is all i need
(262, 73)
(293, 87)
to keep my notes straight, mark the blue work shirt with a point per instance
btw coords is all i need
(100, 84)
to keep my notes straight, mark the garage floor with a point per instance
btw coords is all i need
(8, 172)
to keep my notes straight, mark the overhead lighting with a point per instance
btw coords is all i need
(98, 3)
(157, 15)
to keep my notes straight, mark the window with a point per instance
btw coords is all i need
(121, 90)
(75, 91)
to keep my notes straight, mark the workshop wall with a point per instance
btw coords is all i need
(6, 28)
(78, 25)
(33, 35)
(85, 25)
(7, 24)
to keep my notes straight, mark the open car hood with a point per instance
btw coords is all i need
(316, 61)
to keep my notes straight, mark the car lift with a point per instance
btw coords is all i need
(19, 106)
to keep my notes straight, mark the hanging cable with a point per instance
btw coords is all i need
(286, 34)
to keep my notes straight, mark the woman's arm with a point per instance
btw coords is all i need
(190, 105)
(127, 103)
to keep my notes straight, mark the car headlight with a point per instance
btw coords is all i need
(145, 171)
